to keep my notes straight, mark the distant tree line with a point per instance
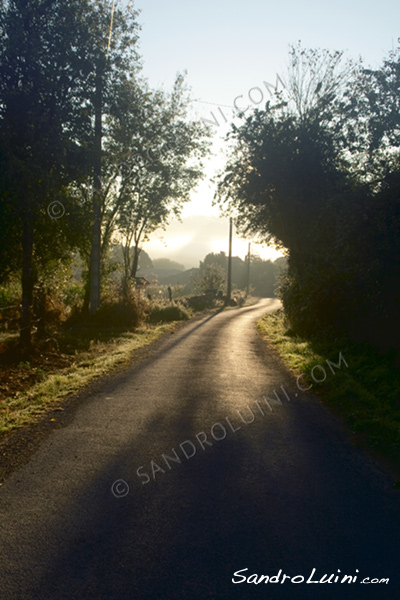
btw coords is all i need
(317, 172)
(263, 277)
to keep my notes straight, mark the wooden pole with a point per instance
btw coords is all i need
(229, 290)
(248, 271)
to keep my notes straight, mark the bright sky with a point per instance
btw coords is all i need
(229, 47)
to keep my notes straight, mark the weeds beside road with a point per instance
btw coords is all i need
(366, 394)
(30, 387)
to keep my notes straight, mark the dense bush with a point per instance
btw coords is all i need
(201, 302)
(167, 313)
(10, 301)
(318, 173)
(322, 300)
(124, 310)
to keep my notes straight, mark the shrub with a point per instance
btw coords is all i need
(167, 313)
(10, 298)
(239, 297)
(74, 295)
(201, 302)
(115, 315)
(126, 311)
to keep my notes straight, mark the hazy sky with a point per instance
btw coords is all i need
(230, 47)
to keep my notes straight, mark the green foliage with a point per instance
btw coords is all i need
(119, 311)
(366, 393)
(154, 156)
(115, 315)
(220, 262)
(282, 172)
(10, 294)
(317, 173)
(10, 304)
(57, 75)
(199, 303)
(211, 277)
(44, 128)
(161, 313)
(74, 293)
(263, 277)
(212, 258)
(94, 353)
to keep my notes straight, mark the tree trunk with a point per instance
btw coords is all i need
(95, 256)
(135, 261)
(27, 279)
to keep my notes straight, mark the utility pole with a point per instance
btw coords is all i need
(228, 294)
(248, 271)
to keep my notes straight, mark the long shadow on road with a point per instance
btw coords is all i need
(285, 492)
(235, 505)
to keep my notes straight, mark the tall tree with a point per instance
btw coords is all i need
(155, 155)
(43, 123)
(288, 178)
(114, 62)
(316, 79)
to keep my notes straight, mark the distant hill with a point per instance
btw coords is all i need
(184, 277)
(167, 263)
(155, 275)
(167, 276)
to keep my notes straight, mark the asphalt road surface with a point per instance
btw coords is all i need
(158, 489)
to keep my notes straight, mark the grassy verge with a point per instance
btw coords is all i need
(366, 393)
(99, 358)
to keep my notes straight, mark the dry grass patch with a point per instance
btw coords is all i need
(35, 398)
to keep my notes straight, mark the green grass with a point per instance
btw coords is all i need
(366, 393)
(99, 359)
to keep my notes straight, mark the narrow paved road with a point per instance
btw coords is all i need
(284, 491)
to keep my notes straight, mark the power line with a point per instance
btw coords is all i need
(214, 104)
(111, 26)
